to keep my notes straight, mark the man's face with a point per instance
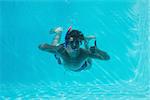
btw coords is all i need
(74, 43)
(73, 47)
(72, 50)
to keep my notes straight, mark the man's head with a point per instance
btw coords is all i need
(74, 39)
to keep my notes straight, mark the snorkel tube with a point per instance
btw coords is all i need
(69, 29)
(66, 41)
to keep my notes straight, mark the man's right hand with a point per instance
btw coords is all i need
(56, 30)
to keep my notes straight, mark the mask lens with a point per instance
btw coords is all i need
(71, 39)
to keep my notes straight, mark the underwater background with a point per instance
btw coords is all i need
(120, 26)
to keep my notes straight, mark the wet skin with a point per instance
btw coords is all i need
(74, 63)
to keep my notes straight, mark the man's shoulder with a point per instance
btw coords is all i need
(60, 48)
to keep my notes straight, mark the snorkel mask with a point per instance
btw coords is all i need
(73, 39)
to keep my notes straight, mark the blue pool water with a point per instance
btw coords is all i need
(121, 28)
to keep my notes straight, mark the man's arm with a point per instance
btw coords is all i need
(57, 37)
(48, 48)
(98, 54)
(53, 47)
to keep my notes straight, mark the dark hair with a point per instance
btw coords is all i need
(77, 35)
